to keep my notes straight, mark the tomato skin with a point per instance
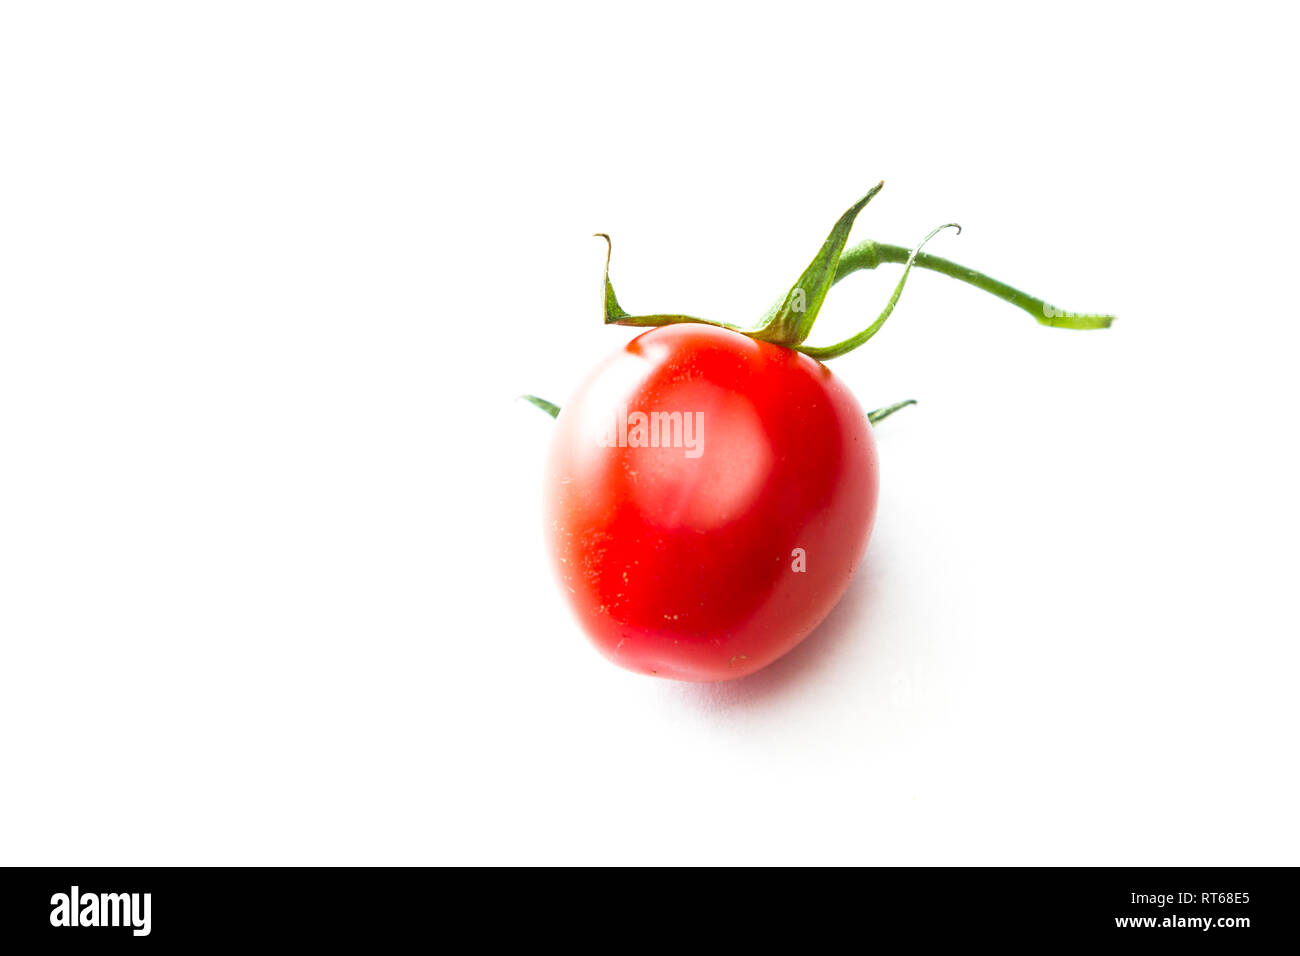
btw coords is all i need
(680, 561)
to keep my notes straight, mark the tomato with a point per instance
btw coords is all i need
(709, 497)
(710, 492)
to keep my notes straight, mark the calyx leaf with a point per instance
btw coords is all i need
(615, 315)
(794, 317)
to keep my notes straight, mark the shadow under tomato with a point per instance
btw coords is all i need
(848, 622)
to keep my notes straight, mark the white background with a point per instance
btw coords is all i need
(272, 583)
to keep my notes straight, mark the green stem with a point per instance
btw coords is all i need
(880, 414)
(826, 352)
(869, 254)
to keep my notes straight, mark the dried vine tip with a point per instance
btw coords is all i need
(549, 408)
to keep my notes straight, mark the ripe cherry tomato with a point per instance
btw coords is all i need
(711, 492)
(709, 498)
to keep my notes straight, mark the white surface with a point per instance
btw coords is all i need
(272, 586)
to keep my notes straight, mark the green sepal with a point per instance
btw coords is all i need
(880, 414)
(615, 314)
(549, 408)
(793, 319)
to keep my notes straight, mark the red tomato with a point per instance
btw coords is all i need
(709, 498)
